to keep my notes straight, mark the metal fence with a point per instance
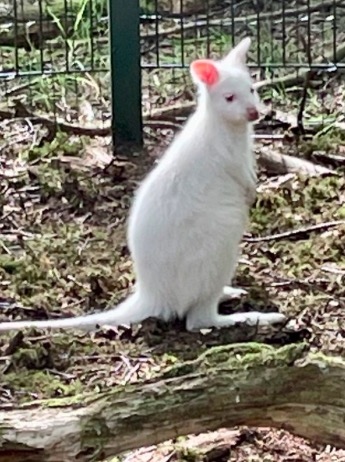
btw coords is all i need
(57, 56)
(54, 64)
(297, 54)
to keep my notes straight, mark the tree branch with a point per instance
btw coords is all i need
(247, 384)
(21, 111)
(298, 78)
(301, 233)
(278, 163)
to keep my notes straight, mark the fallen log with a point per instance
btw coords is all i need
(247, 384)
(277, 163)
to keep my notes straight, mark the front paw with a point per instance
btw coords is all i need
(250, 196)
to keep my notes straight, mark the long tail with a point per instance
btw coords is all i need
(130, 311)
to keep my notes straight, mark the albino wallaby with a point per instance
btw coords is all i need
(189, 214)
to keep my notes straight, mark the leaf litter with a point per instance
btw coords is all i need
(63, 252)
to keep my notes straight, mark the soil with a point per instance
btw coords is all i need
(63, 252)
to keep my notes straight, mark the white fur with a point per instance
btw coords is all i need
(189, 215)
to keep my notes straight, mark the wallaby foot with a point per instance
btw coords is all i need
(231, 293)
(206, 316)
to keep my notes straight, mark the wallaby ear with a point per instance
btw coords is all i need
(204, 70)
(238, 55)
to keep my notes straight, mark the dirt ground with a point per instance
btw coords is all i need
(63, 252)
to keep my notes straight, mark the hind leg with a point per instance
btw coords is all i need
(205, 315)
(231, 293)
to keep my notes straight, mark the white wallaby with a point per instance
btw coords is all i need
(189, 214)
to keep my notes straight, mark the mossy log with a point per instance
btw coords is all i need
(248, 384)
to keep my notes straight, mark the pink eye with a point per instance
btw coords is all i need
(230, 97)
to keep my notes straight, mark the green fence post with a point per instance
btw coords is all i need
(124, 27)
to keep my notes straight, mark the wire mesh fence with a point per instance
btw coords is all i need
(55, 58)
(54, 61)
(289, 39)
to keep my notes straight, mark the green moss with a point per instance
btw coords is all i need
(94, 435)
(188, 454)
(239, 356)
(10, 264)
(32, 358)
(36, 385)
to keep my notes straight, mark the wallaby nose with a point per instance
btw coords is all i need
(252, 114)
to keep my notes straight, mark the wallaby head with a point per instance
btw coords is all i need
(226, 86)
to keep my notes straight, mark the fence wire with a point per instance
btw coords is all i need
(288, 40)
(55, 57)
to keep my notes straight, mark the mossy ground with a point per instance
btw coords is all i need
(63, 252)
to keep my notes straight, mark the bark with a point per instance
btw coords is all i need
(279, 164)
(248, 384)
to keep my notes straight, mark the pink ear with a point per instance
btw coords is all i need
(205, 70)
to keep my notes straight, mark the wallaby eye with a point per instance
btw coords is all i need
(229, 97)
(252, 90)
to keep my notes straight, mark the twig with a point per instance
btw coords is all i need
(170, 113)
(163, 125)
(333, 270)
(296, 79)
(313, 283)
(278, 163)
(277, 182)
(162, 115)
(333, 159)
(20, 111)
(300, 114)
(302, 232)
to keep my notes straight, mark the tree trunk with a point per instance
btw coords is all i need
(248, 384)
